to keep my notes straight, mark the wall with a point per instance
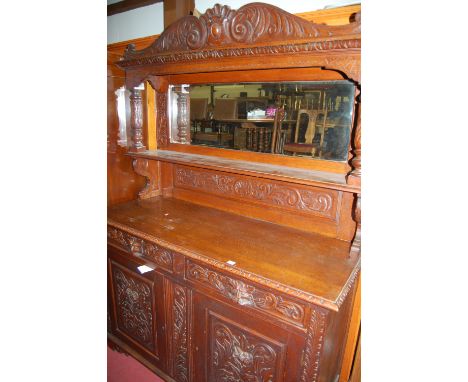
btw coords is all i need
(149, 20)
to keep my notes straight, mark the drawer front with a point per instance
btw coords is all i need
(141, 248)
(245, 294)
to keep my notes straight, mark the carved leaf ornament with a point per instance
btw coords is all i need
(252, 23)
(241, 358)
(262, 191)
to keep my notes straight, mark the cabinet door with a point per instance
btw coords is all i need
(137, 306)
(231, 345)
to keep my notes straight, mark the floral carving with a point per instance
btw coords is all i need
(133, 300)
(180, 334)
(247, 295)
(237, 357)
(252, 23)
(267, 192)
(139, 247)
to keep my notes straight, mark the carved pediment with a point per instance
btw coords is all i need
(254, 23)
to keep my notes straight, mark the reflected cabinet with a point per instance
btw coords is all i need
(240, 258)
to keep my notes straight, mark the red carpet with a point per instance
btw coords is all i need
(122, 368)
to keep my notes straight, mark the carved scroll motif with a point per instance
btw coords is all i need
(238, 357)
(318, 202)
(134, 308)
(150, 170)
(313, 348)
(180, 334)
(140, 247)
(253, 23)
(247, 295)
(136, 125)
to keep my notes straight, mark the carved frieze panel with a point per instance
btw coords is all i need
(134, 307)
(247, 295)
(270, 193)
(179, 338)
(141, 248)
(239, 355)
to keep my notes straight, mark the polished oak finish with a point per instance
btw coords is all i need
(254, 256)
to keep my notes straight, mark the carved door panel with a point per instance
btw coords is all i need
(137, 306)
(233, 346)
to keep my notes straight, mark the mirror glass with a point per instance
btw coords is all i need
(308, 119)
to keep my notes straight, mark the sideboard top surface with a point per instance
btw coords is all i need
(311, 263)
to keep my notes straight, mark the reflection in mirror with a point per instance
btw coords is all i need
(310, 119)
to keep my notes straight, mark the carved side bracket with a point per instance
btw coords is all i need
(151, 171)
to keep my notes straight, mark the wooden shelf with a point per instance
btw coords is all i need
(262, 170)
(281, 258)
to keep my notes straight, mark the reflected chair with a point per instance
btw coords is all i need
(306, 147)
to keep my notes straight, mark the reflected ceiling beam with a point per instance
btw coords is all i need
(128, 5)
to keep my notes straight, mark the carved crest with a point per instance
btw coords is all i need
(254, 23)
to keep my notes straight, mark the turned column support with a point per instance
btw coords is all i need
(354, 177)
(183, 114)
(136, 120)
(150, 169)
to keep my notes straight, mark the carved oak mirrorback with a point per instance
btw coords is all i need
(250, 215)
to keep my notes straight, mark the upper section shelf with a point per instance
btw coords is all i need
(261, 170)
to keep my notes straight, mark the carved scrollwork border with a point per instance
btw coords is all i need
(295, 198)
(247, 295)
(140, 248)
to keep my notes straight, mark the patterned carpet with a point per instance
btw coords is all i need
(122, 368)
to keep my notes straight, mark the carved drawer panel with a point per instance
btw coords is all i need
(141, 248)
(134, 307)
(244, 294)
(294, 198)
